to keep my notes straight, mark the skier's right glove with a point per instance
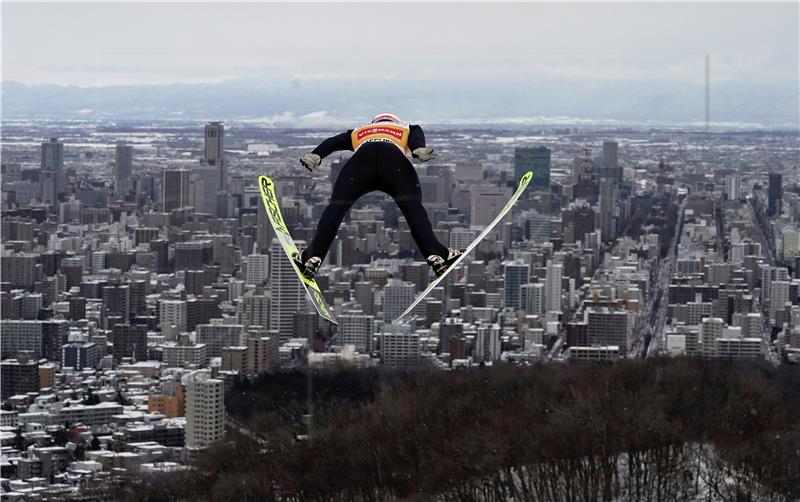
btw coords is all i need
(424, 154)
(311, 161)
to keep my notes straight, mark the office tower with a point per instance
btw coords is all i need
(173, 313)
(607, 204)
(54, 334)
(80, 356)
(175, 189)
(216, 336)
(257, 266)
(607, 327)
(536, 159)
(117, 301)
(20, 270)
(397, 296)
(52, 169)
(364, 295)
(733, 187)
(288, 296)
(774, 194)
(203, 182)
(215, 153)
(400, 349)
(205, 409)
(532, 298)
(123, 167)
(129, 340)
(262, 353)
(356, 329)
(515, 275)
(487, 202)
(710, 329)
(611, 168)
(555, 272)
(476, 274)
(19, 376)
(306, 325)
(576, 222)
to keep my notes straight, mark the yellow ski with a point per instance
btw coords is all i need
(273, 209)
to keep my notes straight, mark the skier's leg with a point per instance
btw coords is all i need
(399, 179)
(352, 183)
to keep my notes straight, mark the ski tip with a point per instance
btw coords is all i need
(526, 177)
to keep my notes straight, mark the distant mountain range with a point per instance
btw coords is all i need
(321, 102)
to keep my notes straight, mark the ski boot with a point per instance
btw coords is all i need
(309, 268)
(440, 265)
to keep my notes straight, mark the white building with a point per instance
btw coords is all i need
(400, 349)
(356, 329)
(173, 313)
(205, 409)
(257, 268)
(397, 296)
(555, 273)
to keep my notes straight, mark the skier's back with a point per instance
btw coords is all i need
(379, 163)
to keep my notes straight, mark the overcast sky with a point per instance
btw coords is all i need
(94, 44)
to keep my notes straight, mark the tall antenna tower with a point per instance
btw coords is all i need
(708, 89)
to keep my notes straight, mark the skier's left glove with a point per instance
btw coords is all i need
(424, 154)
(311, 161)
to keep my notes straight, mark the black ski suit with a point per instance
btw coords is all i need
(378, 166)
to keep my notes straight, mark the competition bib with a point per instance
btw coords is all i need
(388, 132)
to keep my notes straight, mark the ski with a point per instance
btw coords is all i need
(273, 209)
(523, 183)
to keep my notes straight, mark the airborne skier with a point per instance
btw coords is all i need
(379, 163)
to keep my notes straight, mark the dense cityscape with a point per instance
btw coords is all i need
(141, 282)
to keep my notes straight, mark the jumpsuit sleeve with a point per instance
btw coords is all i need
(416, 138)
(341, 141)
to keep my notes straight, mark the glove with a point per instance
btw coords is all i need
(310, 161)
(424, 154)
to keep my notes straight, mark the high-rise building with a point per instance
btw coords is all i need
(173, 313)
(610, 168)
(123, 166)
(20, 270)
(515, 275)
(254, 309)
(205, 409)
(536, 159)
(117, 301)
(532, 298)
(175, 189)
(81, 355)
(257, 266)
(356, 329)
(215, 153)
(364, 295)
(555, 273)
(774, 194)
(52, 166)
(733, 187)
(203, 182)
(608, 194)
(288, 296)
(397, 296)
(19, 335)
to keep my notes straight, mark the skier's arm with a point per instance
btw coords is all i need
(416, 143)
(341, 141)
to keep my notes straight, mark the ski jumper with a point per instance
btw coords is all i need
(379, 163)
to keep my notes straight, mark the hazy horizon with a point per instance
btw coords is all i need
(641, 63)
